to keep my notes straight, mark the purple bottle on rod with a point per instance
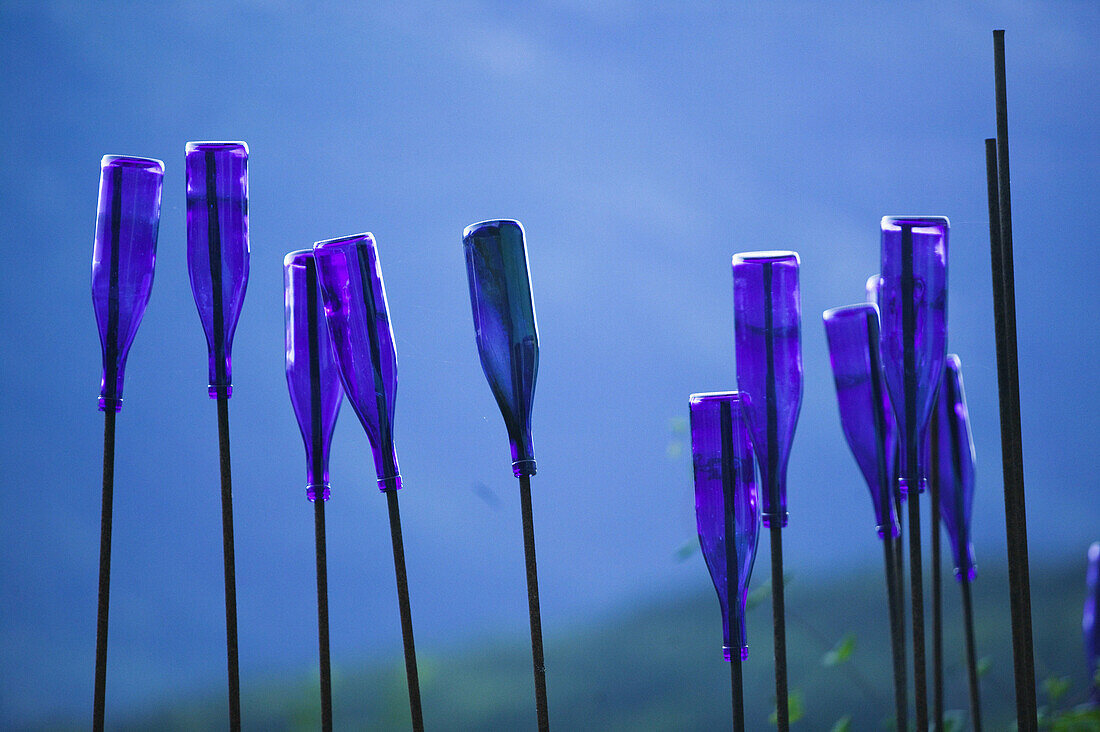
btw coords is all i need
(315, 394)
(853, 336)
(217, 261)
(767, 319)
(125, 251)
(767, 313)
(954, 473)
(123, 260)
(311, 372)
(1090, 622)
(217, 247)
(727, 510)
(955, 467)
(358, 319)
(913, 307)
(857, 371)
(726, 504)
(359, 322)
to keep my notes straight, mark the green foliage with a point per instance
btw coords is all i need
(841, 652)
(984, 664)
(1083, 718)
(794, 708)
(1056, 687)
(844, 724)
(954, 720)
(686, 550)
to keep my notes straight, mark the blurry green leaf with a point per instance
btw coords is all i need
(1056, 687)
(678, 425)
(841, 652)
(758, 595)
(844, 724)
(687, 550)
(794, 708)
(954, 720)
(1078, 719)
(762, 592)
(983, 665)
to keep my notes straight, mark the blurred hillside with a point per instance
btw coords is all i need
(659, 667)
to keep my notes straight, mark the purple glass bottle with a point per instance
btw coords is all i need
(1090, 622)
(504, 322)
(217, 247)
(726, 505)
(913, 306)
(311, 372)
(123, 259)
(955, 467)
(874, 288)
(767, 318)
(852, 333)
(362, 339)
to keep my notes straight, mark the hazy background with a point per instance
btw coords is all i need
(641, 145)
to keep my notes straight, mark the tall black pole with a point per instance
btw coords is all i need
(214, 244)
(322, 613)
(537, 658)
(733, 565)
(1008, 378)
(937, 610)
(779, 623)
(411, 674)
(909, 328)
(230, 564)
(891, 559)
(110, 414)
(313, 319)
(105, 524)
(897, 635)
(971, 657)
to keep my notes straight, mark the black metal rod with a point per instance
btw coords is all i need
(917, 604)
(537, 657)
(912, 448)
(899, 560)
(733, 565)
(411, 675)
(779, 626)
(230, 564)
(322, 613)
(105, 524)
(737, 690)
(1011, 437)
(317, 437)
(897, 635)
(971, 658)
(937, 609)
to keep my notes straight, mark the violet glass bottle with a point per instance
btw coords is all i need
(852, 333)
(123, 258)
(767, 318)
(311, 372)
(874, 288)
(362, 339)
(1090, 622)
(726, 505)
(913, 306)
(956, 466)
(217, 247)
(504, 323)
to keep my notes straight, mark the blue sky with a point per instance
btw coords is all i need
(641, 146)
